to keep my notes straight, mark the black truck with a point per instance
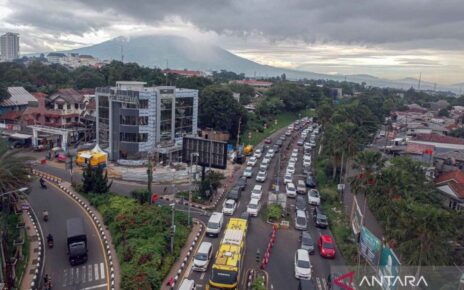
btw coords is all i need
(77, 241)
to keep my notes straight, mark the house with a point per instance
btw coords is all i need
(12, 108)
(419, 152)
(449, 161)
(441, 143)
(451, 185)
(56, 57)
(65, 108)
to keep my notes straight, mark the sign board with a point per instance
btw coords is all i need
(210, 153)
(370, 246)
(389, 266)
(356, 217)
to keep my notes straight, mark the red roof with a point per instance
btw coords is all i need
(454, 179)
(414, 148)
(11, 115)
(439, 139)
(39, 95)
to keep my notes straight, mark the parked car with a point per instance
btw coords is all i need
(288, 133)
(229, 207)
(257, 191)
(314, 198)
(268, 155)
(288, 178)
(301, 186)
(326, 246)
(310, 182)
(261, 177)
(307, 242)
(294, 154)
(300, 141)
(271, 151)
(290, 189)
(248, 172)
(235, 193)
(258, 153)
(279, 142)
(307, 162)
(264, 164)
(253, 207)
(276, 147)
(252, 161)
(242, 182)
(268, 141)
(301, 221)
(307, 170)
(292, 160)
(303, 267)
(300, 203)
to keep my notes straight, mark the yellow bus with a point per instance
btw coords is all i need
(229, 257)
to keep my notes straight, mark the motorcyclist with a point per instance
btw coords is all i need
(50, 238)
(42, 182)
(45, 215)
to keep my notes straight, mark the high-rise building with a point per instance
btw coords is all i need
(134, 120)
(9, 46)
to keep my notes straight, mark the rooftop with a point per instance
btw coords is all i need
(435, 138)
(18, 97)
(454, 179)
(68, 95)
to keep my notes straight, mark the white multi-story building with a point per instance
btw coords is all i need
(9, 46)
(134, 120)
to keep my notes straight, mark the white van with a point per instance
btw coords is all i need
(214, 226)
(187, 285)
(202, 257)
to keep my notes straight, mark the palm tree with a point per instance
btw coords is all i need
(369, 164)
(13, 172)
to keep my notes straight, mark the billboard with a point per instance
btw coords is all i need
(356, 217)
(389, 266)
(370, 246)
(210, 153)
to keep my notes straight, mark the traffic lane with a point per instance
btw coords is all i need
(60, 208)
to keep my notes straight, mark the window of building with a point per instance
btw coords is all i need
(60, 107)
(143, 104)
(76, 119)
(133, 137)
(128, 106)
(68, 120)
(47, 119)
(184, 116)
(76, 106)
(143, 121)
(68, 106)
(166, 119)
(127, 120)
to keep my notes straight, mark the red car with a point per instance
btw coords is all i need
(326, 246)
(268, 141)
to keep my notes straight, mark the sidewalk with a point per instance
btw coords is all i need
(31, 273)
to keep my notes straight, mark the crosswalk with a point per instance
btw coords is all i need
(83, 274)
(321, 283)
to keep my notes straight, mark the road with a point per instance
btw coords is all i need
(281, 265)
(91, 275)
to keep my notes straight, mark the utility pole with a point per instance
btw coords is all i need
(238, 131)
(173, 227)
(149, 173)
(190, 189)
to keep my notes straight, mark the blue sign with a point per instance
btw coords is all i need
(389, 266)
(230, 147)
(370, 246)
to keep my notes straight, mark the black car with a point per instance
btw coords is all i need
(300, 203)
(239, 159)
(310, 182)
(279, 142)
(307, 242)
(307, 170)
(306, 285)
(235, 193)
(276, 148)
(242, 183)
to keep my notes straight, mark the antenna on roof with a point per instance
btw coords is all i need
(420, 76)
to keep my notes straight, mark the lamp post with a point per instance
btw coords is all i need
(190, 188)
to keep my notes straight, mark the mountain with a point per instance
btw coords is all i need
(181, 53)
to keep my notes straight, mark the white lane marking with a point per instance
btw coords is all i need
(89, 271)
(77, 276)
(202, 276)
(95, 287)
(71, 278)
(102, 271)
(65, 277)
(324, 283)
(97, 276)
(84, 274)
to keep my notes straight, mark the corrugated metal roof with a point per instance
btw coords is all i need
(18, 96)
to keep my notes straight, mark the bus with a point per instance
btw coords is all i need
(229, 257)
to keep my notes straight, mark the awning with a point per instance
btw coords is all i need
(20, 136)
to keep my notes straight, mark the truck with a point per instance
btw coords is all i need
(76, 241)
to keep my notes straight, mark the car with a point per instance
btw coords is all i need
(307, 163)
(271, 151)
(307, 145)
(301, 221)
(290, 189)
(253, 207)
(239, 158)
(264, 164)
(320, 221)
(291, 168)
(314, 198)
(288, 178)
(288, 133)
(268, 155)
(300, 141)
(292, 160)
(252, 161)
(307, 242)
(261, 177)
(310, 182)
(307, 170)
(203, 257)
(294, 154)
(303, 267)
(313, 144)
(300, 187)
(279, 143)
(326, 246)
(300, 203)
(229, 207)
(307, 150)
(295, 150)
(258, 153)
(235, 193)
(242, 182)
(248, 172)
(257, 191)
(268, 141)
(283, 138)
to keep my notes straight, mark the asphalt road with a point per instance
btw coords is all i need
(281, 264)
(92, 274)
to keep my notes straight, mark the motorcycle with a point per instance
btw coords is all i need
(45, 216)
(50, 241)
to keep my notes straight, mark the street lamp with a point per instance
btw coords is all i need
(190, 188)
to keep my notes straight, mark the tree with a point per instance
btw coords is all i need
(444, 113)
(324, 112)
(101, 181)
(368, 164)
(88, 179)
(86, 77)
(246, 92)
(141, 195)
(13, 172)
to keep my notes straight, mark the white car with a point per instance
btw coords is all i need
(248, 172)
(307, 157)
(303, 267)
(295, 150)
(307, 145)
(314, 197)
(288, 178)
(293, 160)
(306, 162)
(291, 168)
(257, 191)
(261, 177)
(229, 207)
(271, 152)
(290, 189)
(252, 161)
(253, 207)
(258, 153)
(268, 156)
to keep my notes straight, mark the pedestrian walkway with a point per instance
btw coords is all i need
(31, 273)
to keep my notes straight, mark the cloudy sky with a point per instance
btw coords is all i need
(389, 39)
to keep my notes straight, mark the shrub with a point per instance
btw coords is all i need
(273, 212)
